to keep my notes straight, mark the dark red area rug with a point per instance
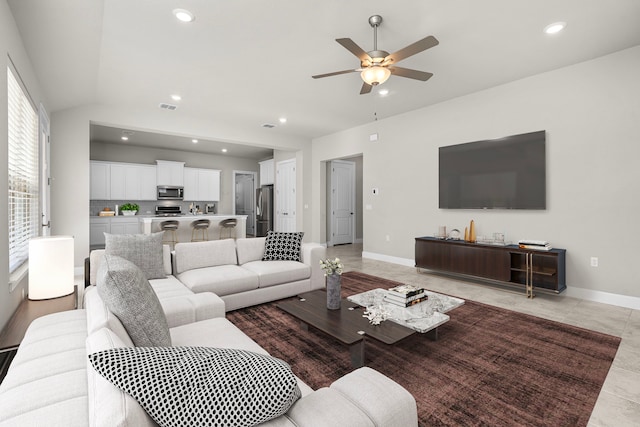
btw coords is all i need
(489, 366)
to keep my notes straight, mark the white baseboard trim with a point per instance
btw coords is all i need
(604, 297)
(581, 293)
(392, 259)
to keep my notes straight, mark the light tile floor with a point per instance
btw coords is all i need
(618, 404)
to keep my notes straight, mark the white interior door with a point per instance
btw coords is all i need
(45, 177)
(342, 202)
(286, 196)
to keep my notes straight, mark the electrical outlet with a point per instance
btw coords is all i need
(594, 261)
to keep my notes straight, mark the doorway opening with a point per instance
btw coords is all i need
(244, 196)
(344, 201)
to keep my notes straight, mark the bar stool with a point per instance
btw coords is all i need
(228, 225)
(170, 229)
(202, 226)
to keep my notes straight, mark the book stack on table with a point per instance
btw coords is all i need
(405, 295)
(539, 245)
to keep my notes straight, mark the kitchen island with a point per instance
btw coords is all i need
(151, 224)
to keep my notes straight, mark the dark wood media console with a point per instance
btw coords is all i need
(526, 268)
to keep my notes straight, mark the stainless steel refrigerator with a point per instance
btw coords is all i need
(264, 210)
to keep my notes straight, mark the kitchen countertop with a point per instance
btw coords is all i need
(183, 216)
(190, 217)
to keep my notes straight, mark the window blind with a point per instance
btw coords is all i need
(23, 172)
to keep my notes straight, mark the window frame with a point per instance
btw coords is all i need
(23, 173)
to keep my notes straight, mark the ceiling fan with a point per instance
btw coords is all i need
(377, 65)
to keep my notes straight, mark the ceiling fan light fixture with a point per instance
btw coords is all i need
(375, 75)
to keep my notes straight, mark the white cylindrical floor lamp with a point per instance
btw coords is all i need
(50, 267)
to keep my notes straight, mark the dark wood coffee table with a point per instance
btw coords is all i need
(346, 325)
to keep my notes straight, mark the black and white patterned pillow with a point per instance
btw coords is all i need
(201, 386)
(279, 246)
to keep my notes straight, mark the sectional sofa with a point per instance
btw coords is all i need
(51, 382)
(233, 270)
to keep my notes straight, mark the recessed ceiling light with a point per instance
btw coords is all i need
(183, 15)
(195, 141)
(383, 92)
(124, 138)
(283, 120)
(176, 97)
(555, 28)
(224, 150)
(126, 134)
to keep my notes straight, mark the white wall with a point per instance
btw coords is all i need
(591, 112)
(10, 46)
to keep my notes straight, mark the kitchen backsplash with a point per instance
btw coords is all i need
(146, 207)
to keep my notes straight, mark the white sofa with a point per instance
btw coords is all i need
(233, 270)
(180, 304)
(50, 382)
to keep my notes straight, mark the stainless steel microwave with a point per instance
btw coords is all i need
(170, 192)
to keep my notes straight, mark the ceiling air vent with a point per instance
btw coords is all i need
(268, 126)
(169, 107)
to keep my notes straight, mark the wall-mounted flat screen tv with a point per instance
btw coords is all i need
(504, 173)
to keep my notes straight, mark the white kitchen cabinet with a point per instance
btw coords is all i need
(267, 172)
(148, 188)
(112, 225)
(209, 185)
(170, 173)
(191, 190)
(117, 182)
(201, 185)
(131, 181)
(125, 226)
(100, 180)
(98, 226)
(122, 181)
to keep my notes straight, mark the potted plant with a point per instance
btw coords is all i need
(332, 271)
(129, 209)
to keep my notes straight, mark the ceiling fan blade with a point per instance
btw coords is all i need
(335, 73)
(366, 88)
(411, 74)
(352, 47)
(412, 49)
